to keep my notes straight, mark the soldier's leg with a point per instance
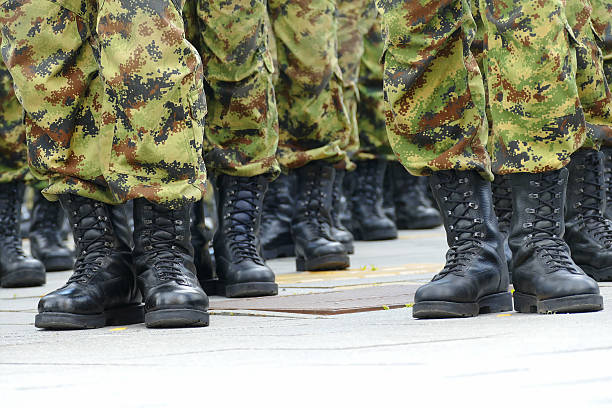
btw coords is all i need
(242, 137)
(313, 122)
(16, 269)
(155, 111)
(602, 23)
(588, 233)
(368, 219)
(435, 109)
(412, 209)
(538, 122)
(57, 82)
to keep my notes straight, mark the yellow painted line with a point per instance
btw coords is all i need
(504, 315)
(367, 273)
(118, 329)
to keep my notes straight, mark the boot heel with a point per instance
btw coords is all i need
(131, 314)
(498, 302)
(300, 264)
(525, 303)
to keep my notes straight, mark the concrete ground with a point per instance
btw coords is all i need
(382, 357)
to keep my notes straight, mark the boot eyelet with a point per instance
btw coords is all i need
(534, 195)
(530, 210)
(148, 248)
(528, 225)
(179, 237)
(173, 247)
(178, 222)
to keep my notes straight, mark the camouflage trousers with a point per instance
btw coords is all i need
(360, 46)
(113, 97)
(241, 133)
(435, 93)
(13, 157)
(313, 121)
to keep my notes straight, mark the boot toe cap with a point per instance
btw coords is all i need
(177, 297)
(565, 284)
(70, 300)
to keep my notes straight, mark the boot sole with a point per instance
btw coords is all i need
(600, 275)
(524, 303)
(70, 321)
(176, 318)
(323, 263)
(282, 251)
(426, 224)
(23, 279)
(375, 235)
(57, 264)
(497, 302)
(248, 289)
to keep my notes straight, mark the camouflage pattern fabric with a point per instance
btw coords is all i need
(359, 49)
(13, 157)
(435, 93)
(373, 141)
(593, 90)
(313, 121)
(113, 95)
(242, 121)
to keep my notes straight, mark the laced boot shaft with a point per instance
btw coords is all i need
(45, 235)
(16, 269)
(276, 239)
(240, 267)
(588, 231)
(102, 289)
(369, 220)
(163, 257)
(339, 231)
(545, 277)
(315, 246)
(474, 279)
(607, 155)
(502, 202)
(412, 209)
(201, 238)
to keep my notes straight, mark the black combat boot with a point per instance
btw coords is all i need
(166, 275)
(16, 269)
(315, 247)
(275, 237)
(607, 152)
(388, 195)
(201, 237)
(545, 278)
(588, 233)
(339, 231)
(502, 203)
(102, 290)
(475, 277)
(369, 220)
(46, 242)
(241, 269)
(412, 209)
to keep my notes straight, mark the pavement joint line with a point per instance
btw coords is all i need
(347, 348)
(249, 313)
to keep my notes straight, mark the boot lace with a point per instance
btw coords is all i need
(591, 204)
(462, 225)
(162, 246)
(544, 231)
(317, 220)
(91, 249)
(242, 210)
